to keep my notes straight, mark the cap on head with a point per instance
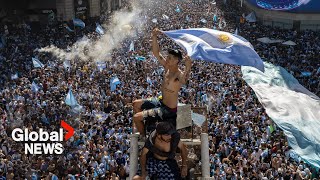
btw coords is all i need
(176, 53)
(165, 128)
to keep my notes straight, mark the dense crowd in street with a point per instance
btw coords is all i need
(244, 142)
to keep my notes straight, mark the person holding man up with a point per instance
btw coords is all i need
(157, 158)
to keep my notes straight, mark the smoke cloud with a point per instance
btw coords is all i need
(123, 24)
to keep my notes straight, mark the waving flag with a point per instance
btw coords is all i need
(99, 29)
(37, 63)
(70, 99)
(131, 46)
(114, 82)
(178, 10)
(291, 106)
(67, 64)
(14, 76)
(79, 23)
(140, 58)
(251, 17)
(101, 116)
(306, 74)
(216, 46)
(34, 87)
(101, 66)
(51, 64)
(77, 109)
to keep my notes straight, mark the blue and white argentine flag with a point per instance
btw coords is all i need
(36, 63)
(291, 106)
(99, 29)
(216, 46)
(79, 23)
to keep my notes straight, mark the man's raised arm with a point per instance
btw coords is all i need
(187, 70)
(156, 48)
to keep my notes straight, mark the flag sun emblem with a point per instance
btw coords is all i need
(224, 38)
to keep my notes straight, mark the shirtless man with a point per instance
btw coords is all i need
(174, 78)
(157, 158)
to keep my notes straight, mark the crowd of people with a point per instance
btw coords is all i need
(244, 142)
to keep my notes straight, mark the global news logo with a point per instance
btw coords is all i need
(43, 142)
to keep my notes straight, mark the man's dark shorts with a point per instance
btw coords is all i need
(155, 111)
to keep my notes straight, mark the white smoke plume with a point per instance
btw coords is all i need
(124, 24)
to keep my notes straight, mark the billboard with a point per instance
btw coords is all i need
(294, 6)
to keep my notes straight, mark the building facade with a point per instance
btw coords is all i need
(41, 11)
(68, 9)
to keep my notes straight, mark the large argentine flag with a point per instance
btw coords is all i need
(216, 46)
(291, 106)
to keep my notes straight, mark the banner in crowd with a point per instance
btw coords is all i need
(291, 106)
(216, 46)
(101, 66)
